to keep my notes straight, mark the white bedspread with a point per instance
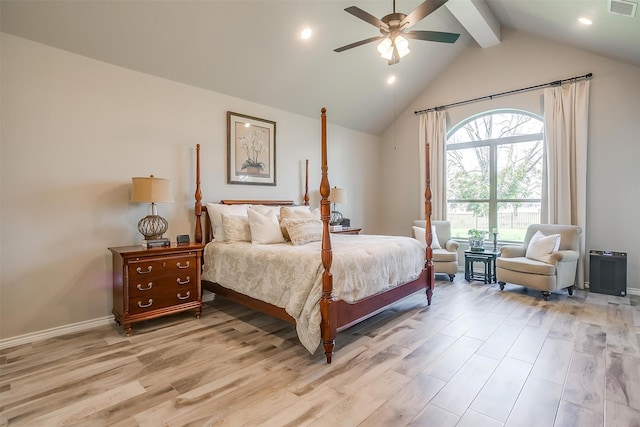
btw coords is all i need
(290, 276)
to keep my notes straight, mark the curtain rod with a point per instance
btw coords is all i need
(483, 98)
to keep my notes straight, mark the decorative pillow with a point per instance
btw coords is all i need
(540, 246)
(293, 212)
(215, 210)
(304, 230)
(265, 229)
(236, 228)
(266, 210)
(418, 233)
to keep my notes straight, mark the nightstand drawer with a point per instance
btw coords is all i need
(162, 299)
(139, 286)
(150, 267)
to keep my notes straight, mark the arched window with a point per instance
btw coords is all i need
(494, 173)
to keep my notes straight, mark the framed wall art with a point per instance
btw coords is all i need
(251, 150)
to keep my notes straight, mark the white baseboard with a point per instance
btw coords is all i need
(633, 291)
(55, 332)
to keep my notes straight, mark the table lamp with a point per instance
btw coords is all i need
(337, 195)
(151, 190)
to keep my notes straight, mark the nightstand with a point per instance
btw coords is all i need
(348, 231)
(154, 282)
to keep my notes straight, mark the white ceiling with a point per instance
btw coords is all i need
(252, 50)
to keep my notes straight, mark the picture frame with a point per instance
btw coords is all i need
(251, 150)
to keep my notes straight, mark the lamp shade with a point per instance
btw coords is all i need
(338, 195)
(151, 190)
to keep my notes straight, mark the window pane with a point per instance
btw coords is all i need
(514, 218)
(468, 173)
(465, 216)
(520, 170)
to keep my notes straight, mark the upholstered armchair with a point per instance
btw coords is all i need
(546, 261)
(445, 249)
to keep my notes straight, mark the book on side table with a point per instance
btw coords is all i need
(156, 243)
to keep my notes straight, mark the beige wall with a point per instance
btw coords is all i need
(74, 132)
(520, 61)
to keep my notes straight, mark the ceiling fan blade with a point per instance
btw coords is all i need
(367, 17)
(421, 12)
(356, 44)
(432, 36)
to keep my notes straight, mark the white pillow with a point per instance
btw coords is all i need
(293, 212)
(304, 230)
(418, 233)
(236, 228)
(265, 229)
(215, 210)
(266, 210)
(540, 246)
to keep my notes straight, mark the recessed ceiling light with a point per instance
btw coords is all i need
(391, 79)
(585, 21)
(306, 33)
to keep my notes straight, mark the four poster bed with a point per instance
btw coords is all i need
(295, 281)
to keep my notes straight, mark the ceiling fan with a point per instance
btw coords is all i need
(395, 30)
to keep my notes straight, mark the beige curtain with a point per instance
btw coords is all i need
(564, 189)
(433, 131)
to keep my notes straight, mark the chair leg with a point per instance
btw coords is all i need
(546, 295)
(570, 290)
(451, 276)
(501, 285)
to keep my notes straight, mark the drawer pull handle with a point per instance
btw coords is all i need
(145, 305)
(184, 297)
(139, 270)
(182, 266)
(149, 286)
(180, 282)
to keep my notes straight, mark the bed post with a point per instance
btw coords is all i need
(328, 325)
(198, 195)
(428, 265)
(306, 183)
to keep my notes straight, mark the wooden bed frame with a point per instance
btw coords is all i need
(337, 315)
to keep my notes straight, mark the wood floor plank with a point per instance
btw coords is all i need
(453, 358)
(623, 379)
(405, 404)
(499, 394)
(80, 410)
(617, 415)
(570, 415)
(536, 405)
(591, 338)
(553, 361)
(585, 383)
(472, 418)
(459, 392)
(433, 415)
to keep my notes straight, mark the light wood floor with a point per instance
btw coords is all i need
(477, 357)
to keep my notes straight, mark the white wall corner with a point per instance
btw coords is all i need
(477, 19)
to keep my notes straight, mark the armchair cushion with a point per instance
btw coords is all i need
(419, 234)
(540, 246)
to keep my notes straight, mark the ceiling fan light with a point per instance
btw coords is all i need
(385, 47)
(403, 46)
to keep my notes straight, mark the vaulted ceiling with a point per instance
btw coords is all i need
(253, 50)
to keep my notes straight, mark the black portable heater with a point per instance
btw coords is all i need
(608, 272)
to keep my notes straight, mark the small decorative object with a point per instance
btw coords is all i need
(494, 231)
(337, 195)
(251, 150)
(151, 190)
(476, 240)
